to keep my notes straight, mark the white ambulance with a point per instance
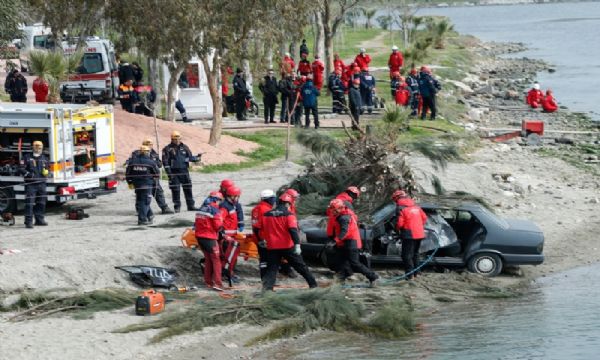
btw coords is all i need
(97, 77)
(78, 140)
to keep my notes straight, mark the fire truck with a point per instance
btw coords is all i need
(79, 143)
(97, 77)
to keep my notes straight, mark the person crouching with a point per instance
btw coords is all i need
(280, 229)
(208, 229)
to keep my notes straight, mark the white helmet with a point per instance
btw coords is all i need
(267, 193)
(362, 50)
(394, 48)
(536, 86)
(287, 54)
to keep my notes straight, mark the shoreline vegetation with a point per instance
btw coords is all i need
(480, 90)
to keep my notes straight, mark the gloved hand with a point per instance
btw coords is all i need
(44, 172)
(241, 228)
(297, 249)
(262, 244)
(131, 186)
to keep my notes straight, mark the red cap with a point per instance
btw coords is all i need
(234, 191)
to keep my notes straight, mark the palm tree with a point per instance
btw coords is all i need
(52, 67)
(369, 14)
(439, 30)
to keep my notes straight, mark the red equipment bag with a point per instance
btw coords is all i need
(230, 251)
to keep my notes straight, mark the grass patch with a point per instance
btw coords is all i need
(574, 155)
(33, 305)
(298, 310)
(272, 146)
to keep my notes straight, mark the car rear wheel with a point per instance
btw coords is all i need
(487, 264)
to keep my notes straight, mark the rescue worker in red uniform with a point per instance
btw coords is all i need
(317, 69)
(549, 103)
(267, 201)
(287, 65)
(295, 195)
(40, 88)
(348, 197)
(399, 90)
(395, 61)
(208, 228)
(363, 59)
(304, 67)
(231, 211)
(225, 184)
(535, 96)
(280, 231)
(348, 242)
(411, 227)
(338, 63)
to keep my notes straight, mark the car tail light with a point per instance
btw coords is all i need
(108, 83)
(67, 190)
(111, 184)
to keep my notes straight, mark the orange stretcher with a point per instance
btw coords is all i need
(247, 242)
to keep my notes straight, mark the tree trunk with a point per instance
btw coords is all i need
(174, 73)
(319, 37)
(328, 51)
(212, 76)
(246, 66)
(154, 81)
(294, 49)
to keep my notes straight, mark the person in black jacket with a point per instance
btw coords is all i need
(355, 102)
(34, 168)
(428, 88)
(269, 88)
(303, 48)
(284, 89)
(17, 87)
(240, 92)
(141, 173)
(412, 80)
(337, 88)
(138, 73)
(176, 158)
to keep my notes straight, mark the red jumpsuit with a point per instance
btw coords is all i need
(339, 64)
(534, 98)
(363, 61)
(287, 66)
(395, 62)
(304, 67)
(549, 103)
(40, 88)
(317, 70)
(207, 225)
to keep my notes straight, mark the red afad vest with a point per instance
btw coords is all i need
(229, 215)
(353, 231)
(257, 214)
(208, 222)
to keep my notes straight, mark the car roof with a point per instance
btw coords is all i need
(468, 206)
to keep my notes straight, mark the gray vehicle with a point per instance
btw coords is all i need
(468, 235)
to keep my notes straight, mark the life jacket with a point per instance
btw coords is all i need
(208, 222)
(229, 215)
(352, 233)
(257, 214)
(411, 220)
(276, 225)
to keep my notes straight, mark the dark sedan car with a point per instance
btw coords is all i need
(468, 235)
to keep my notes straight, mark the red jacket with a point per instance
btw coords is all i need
(411, 220)
(402, 96)
(534, 98)
(317, 69)
(257, 214)
(549, 104)
(40, 88)
(229, 215)
(345, 227)
(362, 61)
(304, 67)
(348, 200)
(208, 222)
(280, 228)
(288, 65)
(396, 61)
(339, 63)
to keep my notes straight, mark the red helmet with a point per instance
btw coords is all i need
(425, 69)
(356, 69)
(234, 191)
(293, 193)
(216, 194)
(336, 205)
(398, 194)
(287, 198)
(413, 71)
(226, 184)
(396, 74)
(354, 190)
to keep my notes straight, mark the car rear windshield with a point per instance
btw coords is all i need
(91, 63)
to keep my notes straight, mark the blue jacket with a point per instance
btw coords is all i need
(428, 86)
(309, 94)
(141, 171)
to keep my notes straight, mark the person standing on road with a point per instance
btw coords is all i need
(17, 87)
(310, 102)
(285, 94)
(176, 158)
(240, 93)
(337, 89)
(347, 241)
(34, 168)
(280, 229)
(428, 88)
(355, 101)
(141, 174)
(411, 227)
(268, 87)
(157, 190)
(208, 228)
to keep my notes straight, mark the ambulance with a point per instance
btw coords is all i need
(78, 140)
(96, 78)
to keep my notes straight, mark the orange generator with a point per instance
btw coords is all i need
(150, 302)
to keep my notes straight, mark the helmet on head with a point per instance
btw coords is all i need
(425, 69)
(175, 135)
(226, 184)
(267, 193)
(147, 142)
(144, 148)
(396, 74)
(536, 86)
(353, 190)
(336, 205)
(293, 193)
(286, 198)
(394, 48)
(233, 191)
(398, 194)
(362, 50)
(216, 194)
(413, 71)
(549, 91)
(287, 54)
(364, 68)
